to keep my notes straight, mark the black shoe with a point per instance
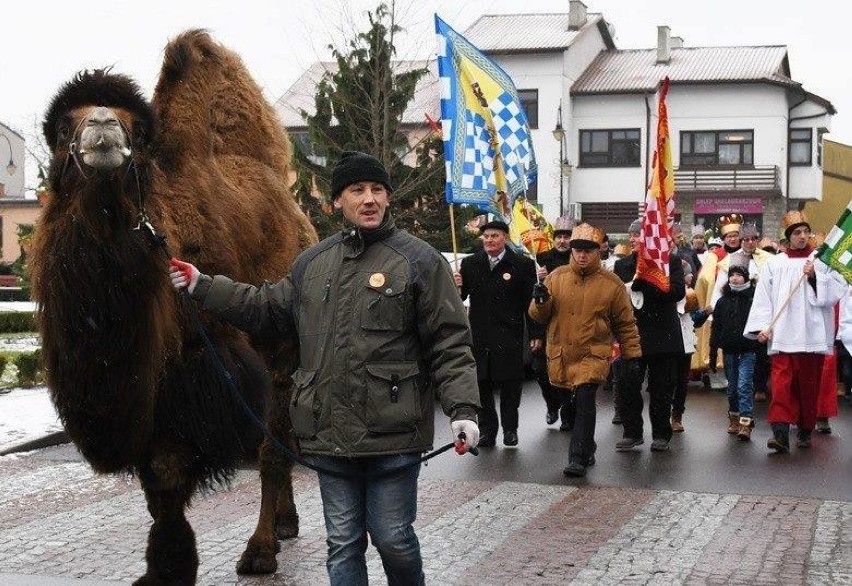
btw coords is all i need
(566, 425)
(510, 438)
(574, 470)
(486, 441)
(780, 445)
(552, 416)
(803, 439)
(627, 444)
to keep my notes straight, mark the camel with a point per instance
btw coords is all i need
(204, 164)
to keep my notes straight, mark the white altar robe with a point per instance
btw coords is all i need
(807, 323)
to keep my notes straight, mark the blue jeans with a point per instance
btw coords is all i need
(739, 370)
(384, 507)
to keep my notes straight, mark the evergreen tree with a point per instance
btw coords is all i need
(359, 106)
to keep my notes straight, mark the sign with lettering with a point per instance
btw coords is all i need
(726, 205)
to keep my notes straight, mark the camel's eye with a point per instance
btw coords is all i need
(63, 131)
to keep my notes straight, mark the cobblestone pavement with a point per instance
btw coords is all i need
(58, 519)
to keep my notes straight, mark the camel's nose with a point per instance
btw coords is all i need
(102, 116)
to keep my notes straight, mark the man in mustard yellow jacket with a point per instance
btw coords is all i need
(584, 306)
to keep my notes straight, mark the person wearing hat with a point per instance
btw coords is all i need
(793, 312)
(584, 306)
(559, 402)
(662, 346)
(499, 283)
(730, 314)
(753, 258)
(381, 331)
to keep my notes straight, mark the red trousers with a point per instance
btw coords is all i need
(827, 401)
(796, 381)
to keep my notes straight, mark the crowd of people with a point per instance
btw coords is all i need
(381, 328)
(758, 318)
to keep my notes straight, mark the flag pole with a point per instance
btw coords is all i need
(453, 233)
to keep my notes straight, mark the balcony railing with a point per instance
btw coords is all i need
(759, 178)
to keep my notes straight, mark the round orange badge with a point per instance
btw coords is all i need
(506, 276)
(377, 280)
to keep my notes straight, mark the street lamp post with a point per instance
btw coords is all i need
(11, 167)
(559, 135)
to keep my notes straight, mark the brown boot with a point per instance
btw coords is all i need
(746, 424)
(677, 422)
(733, 423)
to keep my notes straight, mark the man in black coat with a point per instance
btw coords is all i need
(559, 402)
(499, 283)
(662, 343)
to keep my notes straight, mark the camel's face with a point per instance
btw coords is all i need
(102, 139)
(100, 136)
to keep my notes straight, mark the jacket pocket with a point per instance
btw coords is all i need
(383, 307)
(393, 397)
(557, 372)
(302, 413)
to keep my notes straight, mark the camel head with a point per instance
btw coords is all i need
(95, 124)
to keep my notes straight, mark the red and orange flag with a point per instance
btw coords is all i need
(658, 219)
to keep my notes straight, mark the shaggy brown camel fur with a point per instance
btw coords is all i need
(207, 161)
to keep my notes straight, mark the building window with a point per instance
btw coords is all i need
(302, 141)
(717, 148)
(611, 217)
(610, 148)
(801, 146)
(529, 100)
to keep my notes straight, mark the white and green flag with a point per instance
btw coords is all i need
(836, 250)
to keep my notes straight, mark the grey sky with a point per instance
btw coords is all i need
(45, 43)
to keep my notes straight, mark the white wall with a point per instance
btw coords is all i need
(552, 74)
(762, 108)
(14, 184)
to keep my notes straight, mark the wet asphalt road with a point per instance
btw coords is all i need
(704, 458)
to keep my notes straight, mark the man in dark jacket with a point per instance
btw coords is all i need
(499, 283)
(560, 402)
(379, 324)
(662, 343)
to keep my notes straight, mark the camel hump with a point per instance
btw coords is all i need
(208, 103)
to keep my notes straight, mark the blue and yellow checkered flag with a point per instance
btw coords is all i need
(836, 250)
(487, 143)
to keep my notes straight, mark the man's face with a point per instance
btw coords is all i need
(561, 240)
(799, 237)
(732, 239)
(493, 241)
(363, 203)
(584, 256)
(750, 244)
(698, 244)
(635, 240)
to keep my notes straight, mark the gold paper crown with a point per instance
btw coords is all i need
(622, 250)
(792, 218)
(588, 233)
(730, 223)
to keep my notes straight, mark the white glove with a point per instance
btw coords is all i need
(183, 274)
(471, 434)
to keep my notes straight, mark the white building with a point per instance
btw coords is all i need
(745, 136)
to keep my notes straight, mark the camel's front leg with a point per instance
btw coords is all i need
(276, 483)
(171, 554)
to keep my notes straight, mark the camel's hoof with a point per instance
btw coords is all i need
(287, 530)
(257, 560)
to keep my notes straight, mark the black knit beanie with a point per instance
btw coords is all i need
(353, 167)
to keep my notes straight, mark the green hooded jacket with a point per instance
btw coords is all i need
(381, 330)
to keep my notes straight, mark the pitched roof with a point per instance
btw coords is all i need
(300, 95)
(528, 33)
(638, 71)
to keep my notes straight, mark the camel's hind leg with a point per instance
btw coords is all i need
(278, 517)
(171, 554)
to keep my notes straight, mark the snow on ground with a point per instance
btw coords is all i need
(26, 414)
